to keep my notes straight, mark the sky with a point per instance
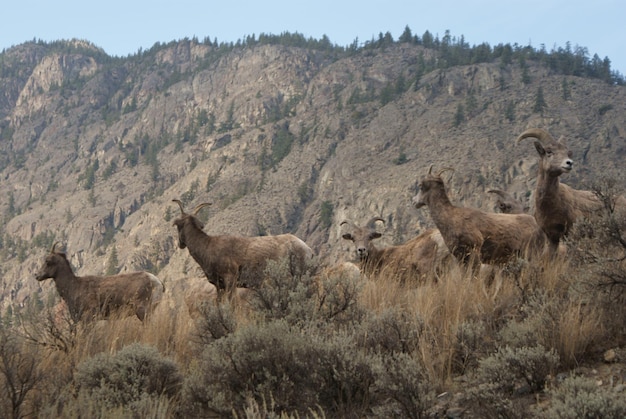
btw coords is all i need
(123, 27)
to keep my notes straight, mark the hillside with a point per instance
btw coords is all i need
(279, 139)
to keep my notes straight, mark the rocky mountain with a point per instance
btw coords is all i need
(279, 138)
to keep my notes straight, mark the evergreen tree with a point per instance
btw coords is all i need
(326, 215)
(502, 83)
(471, 103)
(112, 262)
(229, 124)
(506, 56)
(525, 72)
(386, 94)
(509, 111)
(10, 211)
(418, 78)
(400, 85)
(540, 102)
(406, 36)
(566, 90)
(428, 40)
(7, 319)
(459, 116)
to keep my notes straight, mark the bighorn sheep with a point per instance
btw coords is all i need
(91, 297)
(416, 258)
(230, 261)
(493, 238)
(507, 203)
(557, 205)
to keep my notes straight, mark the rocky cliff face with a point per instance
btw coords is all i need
(279, 139)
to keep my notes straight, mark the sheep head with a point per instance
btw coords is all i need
(51, 264)
(185, 219)
(507, 203)
(361, 236)
(427, 184)
(555, 158)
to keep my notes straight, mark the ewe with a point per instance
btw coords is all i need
(416, 258)
(492, 238)
(230, 261)
(90, 297)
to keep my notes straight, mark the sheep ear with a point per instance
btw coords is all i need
(375, 235)
(539, 148)
(347, 236)
(199, 224)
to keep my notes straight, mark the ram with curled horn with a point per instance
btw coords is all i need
(92, 297)
(416, 259)
(475, 235)
(557, 205)
(231, 261)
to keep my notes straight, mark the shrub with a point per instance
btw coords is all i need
(285, 369)
(265, 362)
(470, 341)
(338, 299)
(284, 295)
(579, 397)
(302, 299)
(348, 377)
(391, 331)
(402, 380)
(126, 378)
(509, 365)
(215, 321)
(604, 109)
(500, 379)
(19, 373)
(488, 402)
(94, 405)
(567, 323)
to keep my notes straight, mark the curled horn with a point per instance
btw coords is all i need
(180, 204)
(350, 223)
(445, 169)
(53, 247)
(372, 222)
(538, 133)
(199, 207)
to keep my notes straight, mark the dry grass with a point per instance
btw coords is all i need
(459, 319)
(443, 307)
